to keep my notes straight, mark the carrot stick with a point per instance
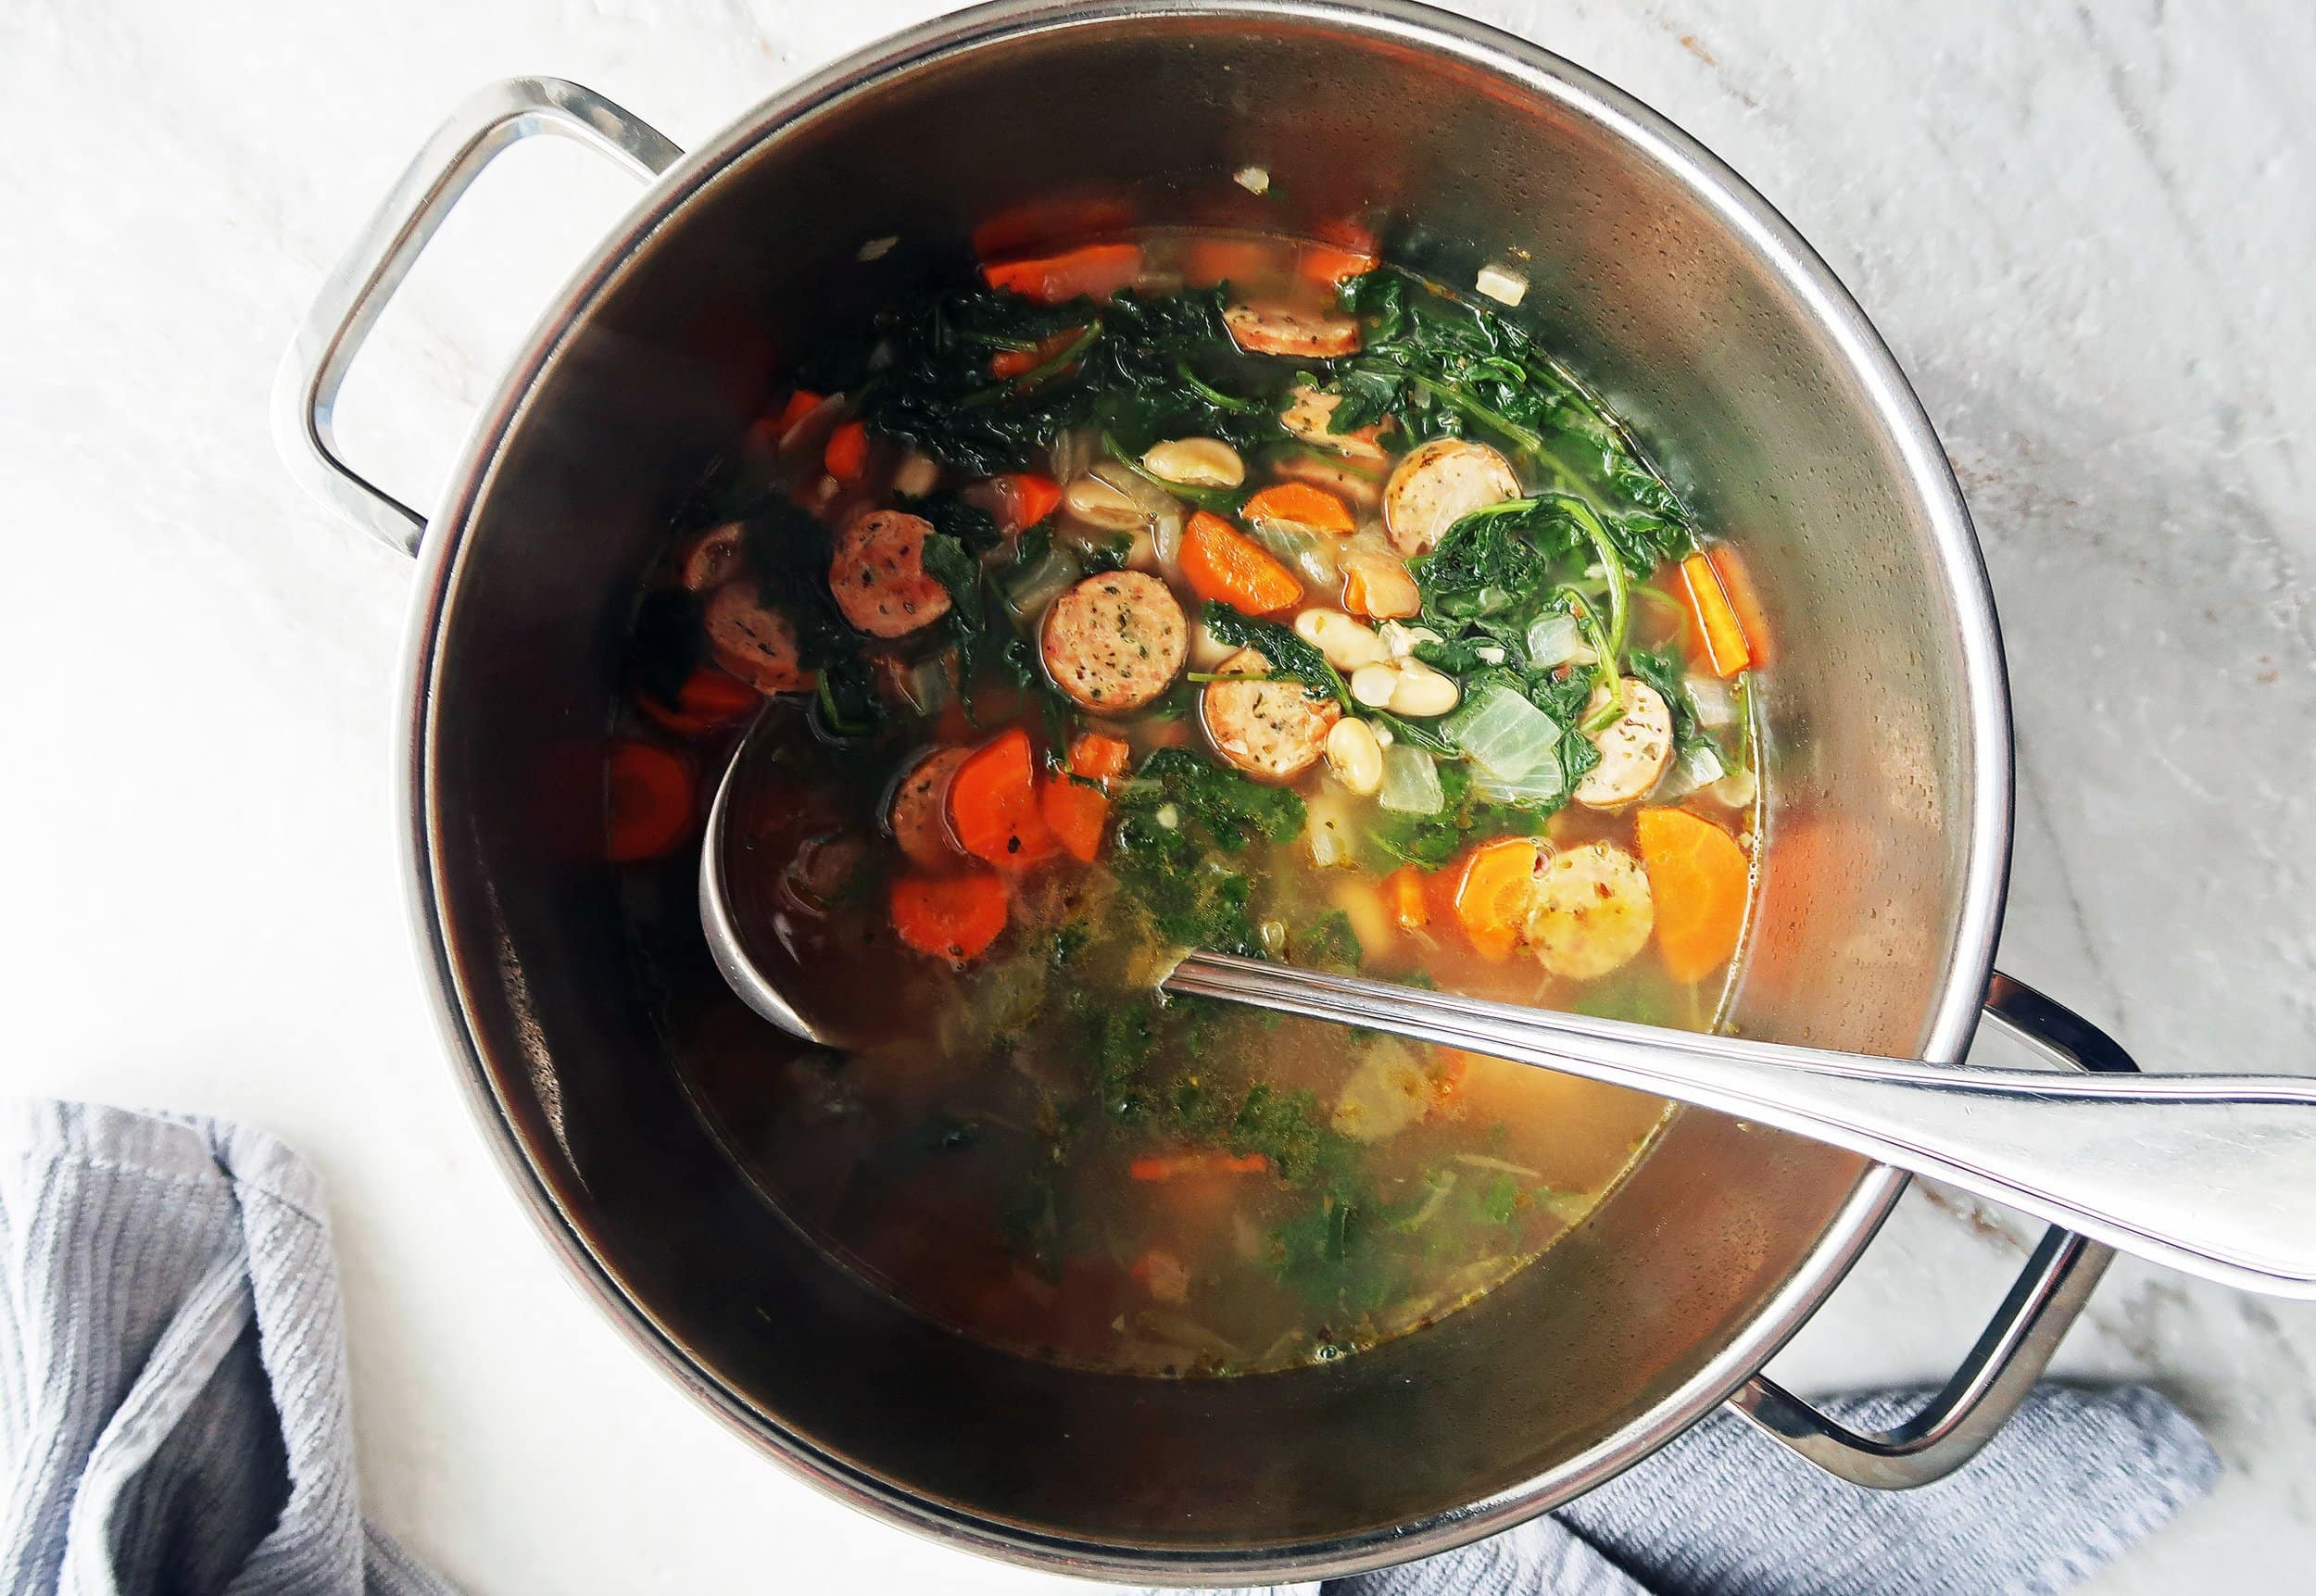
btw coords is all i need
(1737, 584)
(1493, 894)
(948, 916)
(1699, 879)
(1300, 504)
(1096, 270)
(1323, 263)
(648, 794)
(1173, 1167)
(1221, 563)
(704, 700)
(993, 809)
(1098, 757)
(847, 455)
(1075, 813)
(1712, 623)
(802, 403)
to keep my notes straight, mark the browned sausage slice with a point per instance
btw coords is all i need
(919, 815)
(878, 575)
(1277, 329)
(1273, 731)
(755, 644)
(1116, 641)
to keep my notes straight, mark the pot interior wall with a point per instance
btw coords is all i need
(1741, 397)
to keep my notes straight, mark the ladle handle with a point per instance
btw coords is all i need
(2212, 1175)
(2010, 1353)
(351, 298)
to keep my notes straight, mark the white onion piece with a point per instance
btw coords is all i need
(1553, 639)
(1411, 782)
(1715, 701)
(1699, 766)
(1162, 509)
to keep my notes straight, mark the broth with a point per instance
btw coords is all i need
(1079, 643)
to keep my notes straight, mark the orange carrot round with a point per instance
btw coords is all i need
(847, 451)
(1300, 504)
(1075, 814)
(1222, 563)
(1699, 880)
(948, 916)
(993, 809)
(1096, 270)
(1493, 893)
(647, 796)
(704, 700)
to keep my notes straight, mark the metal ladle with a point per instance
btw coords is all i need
(2212, 1175)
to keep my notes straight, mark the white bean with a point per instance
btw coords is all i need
(1196, 462)
(1098, 503)
(1346, 644)
(916, 475)
(1355, 756)
(1421, 691)
(1374, 684)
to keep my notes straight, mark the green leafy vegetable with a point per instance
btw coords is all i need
(1327, 943)
(1430, 840)
(1291, 659)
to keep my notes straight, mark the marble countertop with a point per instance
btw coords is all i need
(2085, 231)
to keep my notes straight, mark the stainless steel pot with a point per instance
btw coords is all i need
(1671, 282)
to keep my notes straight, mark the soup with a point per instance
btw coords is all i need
(1191, 590)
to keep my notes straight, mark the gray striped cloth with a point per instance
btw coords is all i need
(175, 1418)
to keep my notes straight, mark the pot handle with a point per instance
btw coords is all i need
(313, 369)
(2016, 1346)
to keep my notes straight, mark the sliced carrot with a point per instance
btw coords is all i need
(1300, 504)
(1174, 1165)
(1326, 264)
(1744, 600)
(1493, 894)
(802, 403)
(1699, 879)
(1713, 625)
(1017, 500)
(1075, 813)
(993, 808)
(648, 795)
(1210, 261)
(1222, 563)
(704, 700)
(948, 916)
(1451, 1068)
(1096, 270)
(847, 455)
(1098, 757)
(1403, 889)
(1008, 363)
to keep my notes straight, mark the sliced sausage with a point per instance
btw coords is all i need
(1313, 413)
(1633, 752)
(711, 560)
(1438, 485)
(1273, 731)
(1591, 912)
(878, 575)
(1116, 641)
(1277, 329)
(753, 643)
(1358, 488)
(919, 816)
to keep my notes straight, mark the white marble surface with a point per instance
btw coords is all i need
(2086, 229)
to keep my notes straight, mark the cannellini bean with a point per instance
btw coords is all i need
(1377, 584)
(1419, 690)
(1346, 644)
(1401, 640)
(916, 475)
(1374, 684)
(1102, 504)
(1196, 462)
(1356, 757)
(1362, 903)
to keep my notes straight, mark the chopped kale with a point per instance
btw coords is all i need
(1290, 657)
(1327, 943)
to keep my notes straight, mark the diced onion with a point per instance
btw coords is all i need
(1312, 556)
(1553, 639)
(1025, 593)
(1514, 746)
(1411, 782)
(1699, 766)
(1715, 701)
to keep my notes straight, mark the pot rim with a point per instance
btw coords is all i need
(1781, 249)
